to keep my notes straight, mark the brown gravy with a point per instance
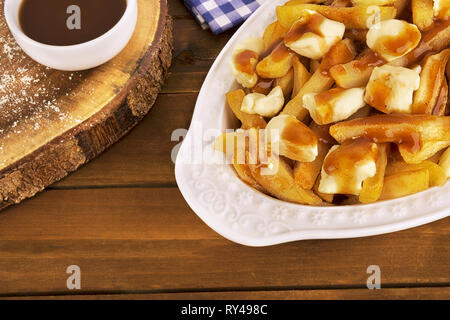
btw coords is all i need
(46, 21)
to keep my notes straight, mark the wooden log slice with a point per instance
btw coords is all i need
(52, 122)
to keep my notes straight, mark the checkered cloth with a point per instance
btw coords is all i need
(221, 15)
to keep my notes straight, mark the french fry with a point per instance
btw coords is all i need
(443, 103)
(432, 80)
(356, 34)
(314, 65)
(429, 148)
(342, 52)
(234, 145)
(444, 162)
(436, 157)
(373, 2)
(234, 100)
(394, 128)
(423, 15)
(372, 187)
(400, 5)
(301, 76)
(352, 17)
(277, 64)
(306, 173)
(437, 173)
(273, 34)
(324, 196)
(405, 183)
(356, 73)
(341, 3)
(281, 183)
(286, 83)
(435, 39)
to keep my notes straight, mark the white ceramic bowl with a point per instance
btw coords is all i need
(76, 57)
(249, 217)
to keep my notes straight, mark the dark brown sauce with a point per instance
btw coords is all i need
(45, 21)
(403, 132)
(399, 44)
(246, 60)
(298, 133)
(263, 86)
(371, 60)
(344, 158)
(336, 57)
(379, 93)
(310, 23)
(325, 101)
(428, 41)
(280, 53)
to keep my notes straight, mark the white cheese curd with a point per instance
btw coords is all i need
(266, 106)
(244, 60)
(350, 168)
(291, 138)
(393, 38)
(390, 89)
(334, 105)
(313, 35)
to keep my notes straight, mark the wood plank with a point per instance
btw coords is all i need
(144, 156)
(73, 117)
(422, 293)
(147, 239)
(177, 10)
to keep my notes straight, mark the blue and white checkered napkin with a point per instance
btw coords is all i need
(221, 15)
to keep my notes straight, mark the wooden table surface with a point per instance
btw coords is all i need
(122, 220)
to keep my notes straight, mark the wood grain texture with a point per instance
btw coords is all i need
(427, 293)
(76, 116)
(147, 239)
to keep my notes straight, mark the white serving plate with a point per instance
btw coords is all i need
(246, 216)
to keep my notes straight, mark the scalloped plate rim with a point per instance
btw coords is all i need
(318, 233)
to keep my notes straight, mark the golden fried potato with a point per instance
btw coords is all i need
(277, 64)
(286, 83)
(320, 81)
(435, 39)
(405, 183)
(235, 146)
(278, 180)
(372, 187)
(356, 34)
(437, 173)
(432, 82)
(373, 2)
(444, 162)
(273, 35)
(396, 128)
(301, 76)
(314, 65)
(401, 6)
(423, 15)
(234, 100)
(296, 2)
(356, 73)
(324, 196)
(429, 148)
(352, 17)
(306, 173)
